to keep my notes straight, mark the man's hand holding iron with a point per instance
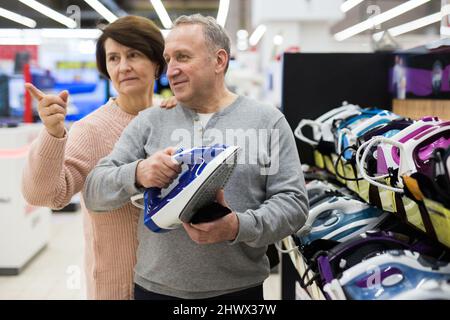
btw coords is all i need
(159, 170)
(220, 230)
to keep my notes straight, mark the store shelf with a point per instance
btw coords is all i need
(418, 108)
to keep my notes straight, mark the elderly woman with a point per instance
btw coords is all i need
(130, 54)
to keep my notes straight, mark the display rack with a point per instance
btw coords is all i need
(315, 83)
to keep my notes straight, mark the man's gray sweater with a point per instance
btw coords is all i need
(266, 190)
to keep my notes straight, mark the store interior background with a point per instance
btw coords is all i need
(65, 58)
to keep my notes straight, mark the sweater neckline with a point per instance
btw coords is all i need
(219, 113)
(112, 106)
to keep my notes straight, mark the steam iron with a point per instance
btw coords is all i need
(427, 290)
(339, 218)
(315, 173)
(397, 274)
(436, 186)
(206, 170)
(348, 136)
(321, 127)
(385, 129)
(329, 263)
(350, 123)
(317, 189)
(414, 154)
(387, 154)
(420, 150)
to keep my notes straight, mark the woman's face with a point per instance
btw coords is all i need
(131, 71)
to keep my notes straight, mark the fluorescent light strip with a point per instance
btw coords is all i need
(416, 24)
(222, 14)
(379, 19)
(50, 13)
(17, 18)
(257, 35)
(349, 4)
(412, 25)
(162, 13)
(102, 10)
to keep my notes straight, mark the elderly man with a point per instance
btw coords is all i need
(226, 258)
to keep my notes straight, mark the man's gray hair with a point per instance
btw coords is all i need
(215, 35)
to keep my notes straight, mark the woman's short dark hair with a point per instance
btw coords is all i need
(135, 32)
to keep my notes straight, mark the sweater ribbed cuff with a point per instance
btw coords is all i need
(50, 147)
(128, 176)
(247, 230)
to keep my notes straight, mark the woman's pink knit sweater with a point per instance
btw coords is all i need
(56, 169)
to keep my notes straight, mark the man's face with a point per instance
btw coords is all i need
(190, 64)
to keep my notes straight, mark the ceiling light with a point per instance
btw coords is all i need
(349, 4)
(102, 10)
(50, 13)
(242, 34)
(242, 46)
(257, 35)
(412, 25)
(162, 13)
(17, 18)
(416, 24)
(378, 19)
(278, 40)
(222, 14)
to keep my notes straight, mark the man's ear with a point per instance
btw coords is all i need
(222, 58)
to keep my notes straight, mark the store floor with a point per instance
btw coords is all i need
(56, 273)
